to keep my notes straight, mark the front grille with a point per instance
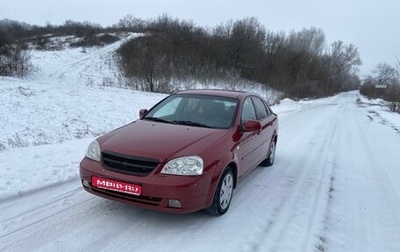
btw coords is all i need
(128, 164)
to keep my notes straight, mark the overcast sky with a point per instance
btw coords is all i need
(372, 26)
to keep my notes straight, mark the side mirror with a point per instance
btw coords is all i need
(251, 125)
(142, 113)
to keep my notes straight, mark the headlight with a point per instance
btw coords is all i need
(191, 165)
(93, 151)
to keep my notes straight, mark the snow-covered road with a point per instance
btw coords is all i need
(334, 187)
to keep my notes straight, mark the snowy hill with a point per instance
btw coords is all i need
(334, 185)
(58, 101)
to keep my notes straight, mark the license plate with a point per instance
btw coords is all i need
(118, 186)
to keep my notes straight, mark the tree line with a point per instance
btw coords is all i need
(298, 63)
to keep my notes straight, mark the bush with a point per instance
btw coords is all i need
(107, 39)
(390, 94)
(14, 61)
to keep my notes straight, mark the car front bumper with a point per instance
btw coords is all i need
(159, 192)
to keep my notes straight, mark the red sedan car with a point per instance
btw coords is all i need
(184, 154)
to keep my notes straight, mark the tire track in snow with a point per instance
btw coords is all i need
(73, 220)
(361, 176)
(305, 187)
(22, 218)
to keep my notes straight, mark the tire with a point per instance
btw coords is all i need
(269, 161)
(223, 194)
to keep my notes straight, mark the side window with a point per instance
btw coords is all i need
(248, 111)
(269, 111)
(261, 110)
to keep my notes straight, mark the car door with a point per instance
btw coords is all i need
(250, 147)
(263, 114)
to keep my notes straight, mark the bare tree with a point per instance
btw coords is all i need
(345, 58)
(343, 65)
(386, 75)
(310, 41)
(246, 44)
(133, 24)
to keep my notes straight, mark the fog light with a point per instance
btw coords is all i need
(85, 183)
(174, 203)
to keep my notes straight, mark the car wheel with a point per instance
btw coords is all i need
(223, 194)
(269, 161)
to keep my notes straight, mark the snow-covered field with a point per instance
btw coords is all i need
(334, 187)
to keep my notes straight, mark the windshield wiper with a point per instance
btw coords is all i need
(191, 123)
(157, 119)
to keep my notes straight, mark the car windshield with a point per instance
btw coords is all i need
(195, 110)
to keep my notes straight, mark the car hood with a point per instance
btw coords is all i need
(162, 141)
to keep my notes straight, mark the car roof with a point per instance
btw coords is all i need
(216, 92)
